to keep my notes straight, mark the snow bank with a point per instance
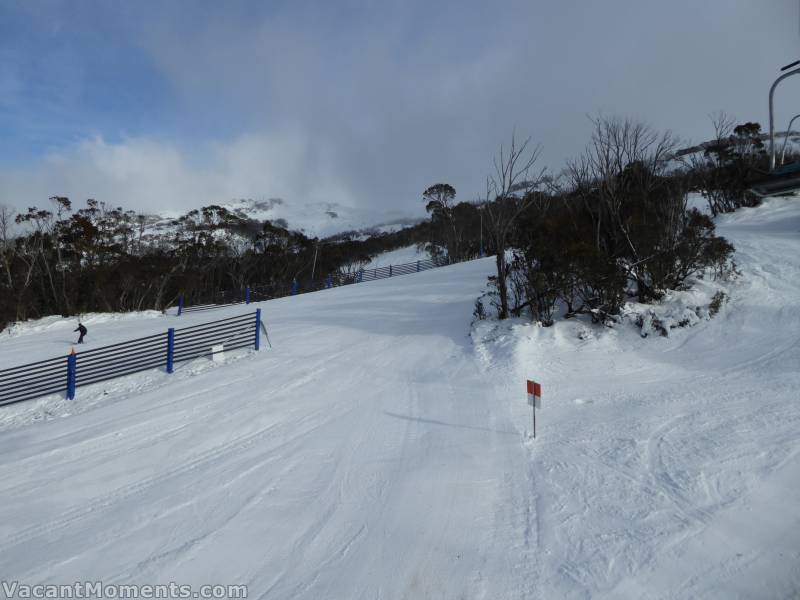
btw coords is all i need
(706, 297)
(670, 466)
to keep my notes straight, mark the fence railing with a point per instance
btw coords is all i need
(65, 374)
(390, 271)
(34, 379)
(267, 292)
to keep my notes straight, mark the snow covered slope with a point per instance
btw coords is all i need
(670, 467)
(379, 451)
(401, 256)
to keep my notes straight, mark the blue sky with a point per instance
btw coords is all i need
(66, 78)
(157, 105)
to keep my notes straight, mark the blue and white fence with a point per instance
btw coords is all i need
(201, 307)
(259, 293)
(35, 379)
(161, 350)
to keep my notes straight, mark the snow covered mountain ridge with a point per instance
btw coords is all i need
(317, 219)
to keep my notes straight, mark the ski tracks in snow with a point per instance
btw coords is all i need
(377, 452)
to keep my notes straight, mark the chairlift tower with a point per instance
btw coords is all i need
(783, 179)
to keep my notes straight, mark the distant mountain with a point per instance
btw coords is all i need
(321, 219)
(326, 220)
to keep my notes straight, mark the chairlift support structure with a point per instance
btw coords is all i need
(787, 136)
(783, 179)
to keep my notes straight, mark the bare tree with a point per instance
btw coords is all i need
(723, 124)
(510, 191)
(706, 165)
(7, 251)
(27, 252)
(622, 171)
(6, 243)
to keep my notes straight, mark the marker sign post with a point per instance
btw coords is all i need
(534, 400)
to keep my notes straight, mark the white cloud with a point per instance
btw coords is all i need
(368, 105)
(152, 175)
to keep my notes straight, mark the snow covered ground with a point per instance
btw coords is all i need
(401, 256)
(379, 450)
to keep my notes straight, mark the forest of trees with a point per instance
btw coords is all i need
(614, 224)
(98, 258)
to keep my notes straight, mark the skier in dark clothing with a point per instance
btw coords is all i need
(82, 330)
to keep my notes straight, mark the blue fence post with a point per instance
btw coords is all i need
(72, 367)
(417, 266)
(294, 287)
(258, 328)
(247, 295)
(360, 275)
(329, 281)
(390, 270)
(180, 304)
(170, 349)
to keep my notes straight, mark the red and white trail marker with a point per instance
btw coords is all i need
(534, 400)
(534, 394)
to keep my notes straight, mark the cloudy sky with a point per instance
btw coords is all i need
(170, 105)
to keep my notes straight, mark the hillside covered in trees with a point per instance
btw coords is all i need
(67, 260)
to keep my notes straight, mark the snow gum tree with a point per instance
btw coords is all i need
(510, 192)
